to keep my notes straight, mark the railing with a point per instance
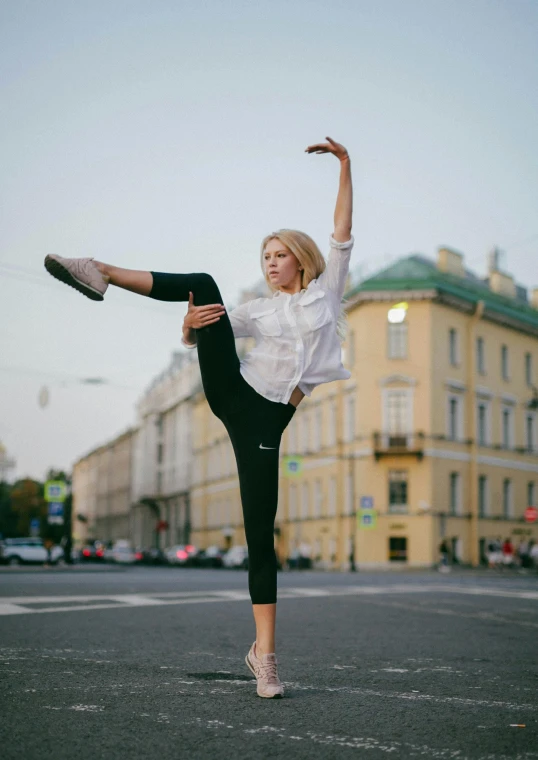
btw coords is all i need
(398, 444)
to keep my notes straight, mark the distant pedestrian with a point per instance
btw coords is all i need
(444, 553)
(533, 555)
(495, 555)
(48, 544)
(298, 332)
(523, 553)
(508, 553)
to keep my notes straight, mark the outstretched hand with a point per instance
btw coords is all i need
(201, 316)
(329, 147)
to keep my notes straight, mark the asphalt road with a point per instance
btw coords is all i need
(149, 663)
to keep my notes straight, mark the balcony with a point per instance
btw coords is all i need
(398, 444)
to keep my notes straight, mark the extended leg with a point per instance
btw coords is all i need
(135, 280)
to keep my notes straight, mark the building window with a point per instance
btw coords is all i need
(332, 496)
(528, 369)
(507, 498)
(398, 491)
(529, 432)
(482, 495)
(480, 356)
(506, 428)
(306, 431)
(351, 349)
(531, 494)
(454, 493)
(454, 422)
(397, 413)
(333, 422)
(453, 348)
(159, 453)
(293, 502)
(397, 341)
(505, 369)
(350, 418)
(318, 428)
(349, 494)
(482, 424)
(304, 501)
(292, 437)
(397, 549)
(318, 498)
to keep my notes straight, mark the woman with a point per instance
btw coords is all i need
(297, 348)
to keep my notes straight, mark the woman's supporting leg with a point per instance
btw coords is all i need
(256, 441)
(265, 619)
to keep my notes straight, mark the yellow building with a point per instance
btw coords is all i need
(435, 433)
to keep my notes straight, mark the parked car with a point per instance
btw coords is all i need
(121, 552)
(236, 557)
(210, 557)
(93, 551)
(181, 554)
(150, 557)
(18, 551)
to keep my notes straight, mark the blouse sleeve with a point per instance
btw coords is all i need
(241, 322)
(335, 275)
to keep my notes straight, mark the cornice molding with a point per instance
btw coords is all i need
(394, 379)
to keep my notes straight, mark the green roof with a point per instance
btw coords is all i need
(416, 272)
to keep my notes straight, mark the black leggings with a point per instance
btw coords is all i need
(251, 420)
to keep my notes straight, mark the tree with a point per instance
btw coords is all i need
(27, 503)
(8, 519)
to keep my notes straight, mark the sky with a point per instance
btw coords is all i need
(170, 136)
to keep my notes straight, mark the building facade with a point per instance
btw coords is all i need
(436, 430)
(102, 491)
(163, 456)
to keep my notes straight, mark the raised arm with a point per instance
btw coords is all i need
(343, 211)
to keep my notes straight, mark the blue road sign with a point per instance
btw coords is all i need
(367, 519)
(367, 502)
(56, 509)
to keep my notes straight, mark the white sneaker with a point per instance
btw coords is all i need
(264, 668)
(81, 274)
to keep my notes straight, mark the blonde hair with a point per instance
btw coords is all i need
(310, 258)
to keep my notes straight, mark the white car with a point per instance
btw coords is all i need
(18, 551)
(237, 556)
(181, 554)
(121, 552)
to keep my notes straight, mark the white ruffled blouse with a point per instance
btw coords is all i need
(296, 339)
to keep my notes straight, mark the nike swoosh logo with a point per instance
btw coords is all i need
(267, 447)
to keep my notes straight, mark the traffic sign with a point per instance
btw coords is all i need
(367, 519)
(293, 466)
(531, 514)
(367, 502)
(35, 524)
(55, 490)
(56, 513)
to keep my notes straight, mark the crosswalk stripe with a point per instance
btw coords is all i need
(19, 605)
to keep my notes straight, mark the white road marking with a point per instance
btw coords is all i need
(10, 609)
(390, 747)
(19, 605)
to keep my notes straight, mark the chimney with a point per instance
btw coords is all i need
(450, 261)
(503, 284)
(534, 298)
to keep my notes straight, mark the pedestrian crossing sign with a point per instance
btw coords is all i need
(55, 490)
(367, 519)
(293, 466)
